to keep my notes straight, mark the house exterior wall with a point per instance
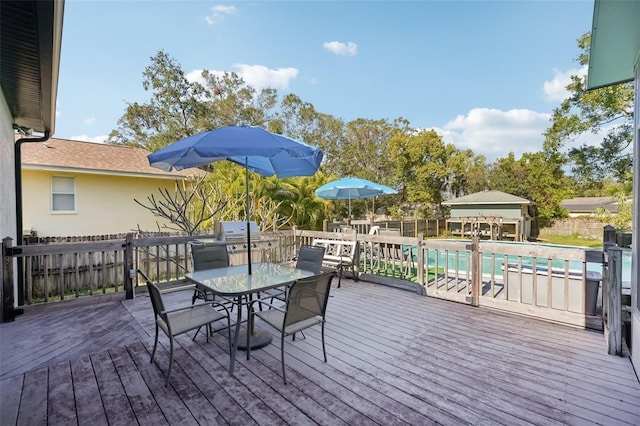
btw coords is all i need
(489, 210)
(7, 178)
(104, 204)
(8, 222)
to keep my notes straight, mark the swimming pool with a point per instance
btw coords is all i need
(458, 260)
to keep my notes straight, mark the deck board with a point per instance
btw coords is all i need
(145, 407)
(33, 403)
(175, 410)
(524, 368)
(394, 358)
(61, 403)
(90, 409)
(114, 398)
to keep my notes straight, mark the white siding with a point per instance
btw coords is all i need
(635, 260)
(7, 183)
(7, 178)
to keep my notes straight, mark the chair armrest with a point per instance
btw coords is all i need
(184, 308)
(261, 301)
(203, 296)
(195, 305)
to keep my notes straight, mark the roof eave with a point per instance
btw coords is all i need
(503, 203)
(30, 61)
(38, 167)
(615, 43)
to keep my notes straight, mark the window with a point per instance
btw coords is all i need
(63, 194)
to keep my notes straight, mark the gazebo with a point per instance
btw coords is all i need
(494, 215)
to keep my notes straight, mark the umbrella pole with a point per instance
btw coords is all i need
(246, 213)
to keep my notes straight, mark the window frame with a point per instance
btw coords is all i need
(54, 193)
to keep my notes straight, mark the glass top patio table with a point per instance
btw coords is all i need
(237, 283)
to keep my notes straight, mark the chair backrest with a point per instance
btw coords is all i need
(308, 298)
(209, 256)
(310, 258)
(155, 295)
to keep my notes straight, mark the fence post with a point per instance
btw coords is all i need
(420, 260)
(608, 236)
(476, 277)
(612, 311)
(7, 282)
(356, 259)
(129, 272)
(296, 243)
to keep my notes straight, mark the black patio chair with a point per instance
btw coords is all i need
(207, 257)
(179, 320)
(309, 258)
(305, 307)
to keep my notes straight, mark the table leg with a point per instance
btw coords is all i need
(234, 348)
(259, 337)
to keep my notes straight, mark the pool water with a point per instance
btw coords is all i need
(528, 261)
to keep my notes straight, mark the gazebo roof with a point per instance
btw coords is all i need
(487, 197)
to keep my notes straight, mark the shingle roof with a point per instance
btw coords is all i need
(64, 154)
(589, 204)
(487, 197)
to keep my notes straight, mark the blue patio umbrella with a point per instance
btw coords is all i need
(254, 148)
(352, 188)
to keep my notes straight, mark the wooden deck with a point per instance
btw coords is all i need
(394, 357)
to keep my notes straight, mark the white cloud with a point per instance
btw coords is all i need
(89, 121)
(257, 76)
(218, 13)
(342, 49)
(261, 76)
(494, 133)
(555, 90)
(87, 138)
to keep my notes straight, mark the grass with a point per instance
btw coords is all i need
(574, 239)
(386, 269)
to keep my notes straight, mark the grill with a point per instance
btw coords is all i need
(235, 235)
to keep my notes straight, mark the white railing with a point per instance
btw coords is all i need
(549, 282)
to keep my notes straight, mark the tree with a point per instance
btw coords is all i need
(476, 175)
(297, 196)
(300, 120)
(532, 177)
(189, 208)
(622, 220)
(509, 175)
(172, 113)
(423, 164)
(229, 100)
(606, 110)
(179, 108)
(364, 149)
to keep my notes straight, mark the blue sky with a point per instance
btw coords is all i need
(485, 74)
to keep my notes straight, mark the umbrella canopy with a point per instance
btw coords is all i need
(254, 148)
(352, 188)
